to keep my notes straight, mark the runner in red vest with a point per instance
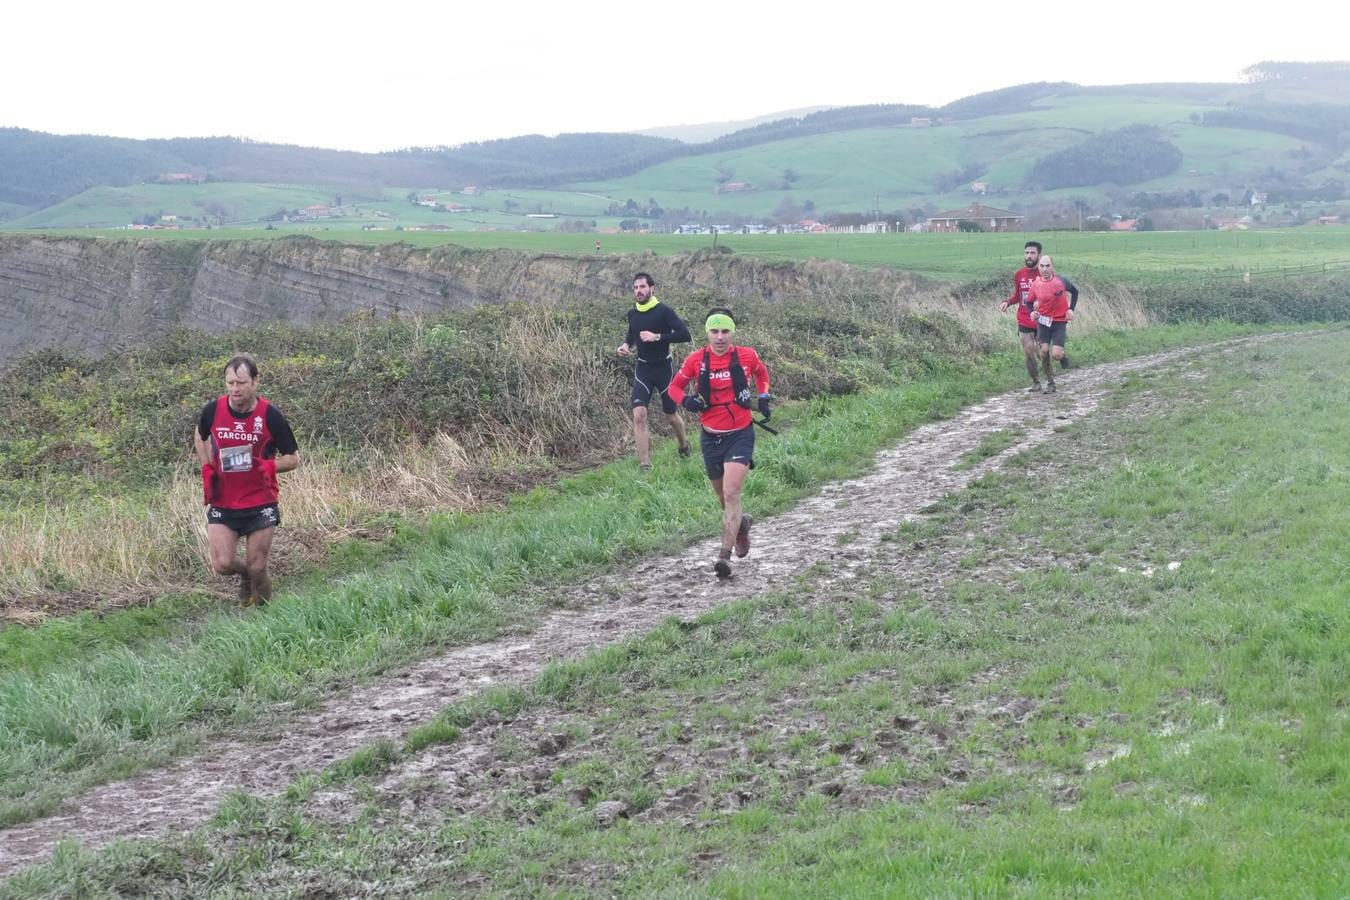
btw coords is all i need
(1026, 327)
(243, 441)
(722, 397)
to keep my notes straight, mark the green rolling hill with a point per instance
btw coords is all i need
(1286, 136)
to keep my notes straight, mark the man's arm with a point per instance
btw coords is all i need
(203, 432)
(1014, 296)
(681, 380)
(630, 337)
(1072, 289)
(760, 372)
(287, 452)
(203, 449)
(679, 332)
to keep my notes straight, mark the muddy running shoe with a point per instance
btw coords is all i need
(685, 452)
(645, 467)
(245, 589)
(1049, 387)
(1064, 362)
(1035, 388)
(723, 565)
(743, 537)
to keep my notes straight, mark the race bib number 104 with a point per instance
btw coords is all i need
(236, 459)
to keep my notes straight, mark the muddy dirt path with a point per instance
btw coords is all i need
(839, 527)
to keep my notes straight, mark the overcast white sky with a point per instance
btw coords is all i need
(388, 75)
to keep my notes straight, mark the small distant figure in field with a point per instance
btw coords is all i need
(1052, 312)
(722, 396)
(597, 248)
(243, 441)
(652, 328)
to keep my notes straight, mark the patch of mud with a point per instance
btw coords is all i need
(834, 533)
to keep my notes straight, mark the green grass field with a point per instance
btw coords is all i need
(1157, 706)
(96, 697)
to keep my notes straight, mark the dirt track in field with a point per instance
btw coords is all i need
(840, 527)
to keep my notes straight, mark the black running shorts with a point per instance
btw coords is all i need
(1052, 334)
(652, 379)
(245, 521)
(720, 448)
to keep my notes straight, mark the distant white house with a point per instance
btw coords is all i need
(979, 187)
(1258, 198)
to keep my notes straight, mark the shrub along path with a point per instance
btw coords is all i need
(835, 532)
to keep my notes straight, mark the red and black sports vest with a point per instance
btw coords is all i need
(237, 445)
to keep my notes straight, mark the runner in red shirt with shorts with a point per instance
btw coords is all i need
(1026, 327)
(721, 376)
(1051, 310)
(243, 441)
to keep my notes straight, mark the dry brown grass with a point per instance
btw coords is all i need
(113, 548)
(1098, 309)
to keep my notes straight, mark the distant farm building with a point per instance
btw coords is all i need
(1258, 198)
(1125, 225)
(317, 211)
(921, 121)
(987, 218)
(428, 201)
(469, 190)
(179, 178)
(979, 187)
(733, 187)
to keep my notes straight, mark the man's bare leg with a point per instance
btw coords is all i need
(677, 426)
(729, 493)
(223, 545)
(642, 436)
(1029, 351)
(258, 549)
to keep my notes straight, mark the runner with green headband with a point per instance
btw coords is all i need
(652, 328)
(721, 376)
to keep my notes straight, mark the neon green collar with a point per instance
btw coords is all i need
(645, 307)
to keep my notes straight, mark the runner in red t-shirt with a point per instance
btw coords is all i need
(1052, 310)
(721, 376)
(1026, 328)
(243, 441)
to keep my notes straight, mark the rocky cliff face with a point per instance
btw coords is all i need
(96, 295)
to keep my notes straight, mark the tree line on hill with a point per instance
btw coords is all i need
(1123, 156)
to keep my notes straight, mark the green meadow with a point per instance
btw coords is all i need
(1155, 707)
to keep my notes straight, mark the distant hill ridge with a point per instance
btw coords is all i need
(38, 169)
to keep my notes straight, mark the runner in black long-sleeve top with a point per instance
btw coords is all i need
(652, 328)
